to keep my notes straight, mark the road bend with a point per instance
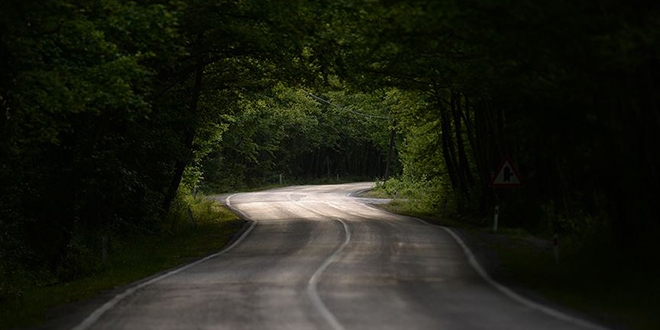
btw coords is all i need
(318, 258)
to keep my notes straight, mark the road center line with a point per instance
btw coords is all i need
(312, 284)
(314, 280)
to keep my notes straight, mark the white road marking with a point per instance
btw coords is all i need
(503, 289)
(314, 280)
(94, 317)
(510, 293)
(312, 285)
(231, 207)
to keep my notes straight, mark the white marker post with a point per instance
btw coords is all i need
(497, 213)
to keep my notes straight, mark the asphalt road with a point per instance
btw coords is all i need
(317, 258)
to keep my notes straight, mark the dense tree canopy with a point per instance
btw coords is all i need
(112, 108)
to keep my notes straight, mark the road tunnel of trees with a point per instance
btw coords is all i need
(112, 109)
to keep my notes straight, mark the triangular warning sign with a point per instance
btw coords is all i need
(506, 175)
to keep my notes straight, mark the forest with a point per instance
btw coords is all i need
(113, 110)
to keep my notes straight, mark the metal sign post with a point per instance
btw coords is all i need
(506, 176)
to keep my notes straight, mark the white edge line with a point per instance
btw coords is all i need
(508, 292)
(357, 192)
(94, 317)
(231, 207)
(314, 280)
(503, 289)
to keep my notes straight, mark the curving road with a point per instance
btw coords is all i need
(317, 258)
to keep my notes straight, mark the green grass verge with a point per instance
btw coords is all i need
(375, 193)
(607, 287)
(129, 261)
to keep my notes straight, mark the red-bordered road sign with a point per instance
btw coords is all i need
(506, 175)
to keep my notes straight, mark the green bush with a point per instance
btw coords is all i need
(423, 196)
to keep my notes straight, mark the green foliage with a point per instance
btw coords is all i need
(421, 196)
(299, 135)
(130, 259)
(112, 109)
(74, 97)
(565, 89)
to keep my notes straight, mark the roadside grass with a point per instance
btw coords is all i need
(375, 193)
(604, 287)
(599, 283)
(130, 260)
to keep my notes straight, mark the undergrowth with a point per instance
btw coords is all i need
(194, 228)
(590, 276)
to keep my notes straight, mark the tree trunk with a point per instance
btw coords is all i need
(463, 164)
(470, 124)
(4, 122)
(481, 147)
(189, 137)
(449, 154)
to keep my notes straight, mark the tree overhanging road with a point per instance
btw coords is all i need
(317, 258)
